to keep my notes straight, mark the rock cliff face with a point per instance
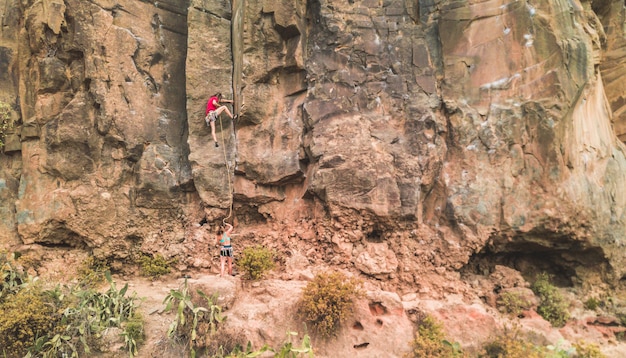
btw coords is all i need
(396, 139)
(419, 134)
(98, 157)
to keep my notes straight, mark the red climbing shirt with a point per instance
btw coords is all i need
(210, 106)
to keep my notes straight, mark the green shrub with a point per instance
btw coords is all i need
(430, 342)
(25, 316)
(90, 313)
(327, 301)
(92, 271)
(552, 306)
(194, 324)
(133, 333)
(513, 303)
(588, 350)
(512, 347)
(12, 279)
(83, 315)
(5, 121)
(62, 321)
(154, 266)
(592, 303)
(512, 344)
(256, 261)
(287, 350)
(229, 342)
(109, 308)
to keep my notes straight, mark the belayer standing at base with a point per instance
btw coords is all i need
(213, 110)
(226, 249)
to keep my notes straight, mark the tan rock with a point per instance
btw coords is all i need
(506, 277)
(416, 142)
(376, 259)
(224, 287)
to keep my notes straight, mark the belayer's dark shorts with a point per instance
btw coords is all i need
(226, 251)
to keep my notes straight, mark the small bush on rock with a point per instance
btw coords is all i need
(512, 347)
(513, 302)
(24, 317)
(588, 350)
(256, 261)
(552, 306)
(327, 301)
(513, 343)
(592, 303)
(154, 266)
(92, 271)
(12, 278)
(430, 342)
(5, 121)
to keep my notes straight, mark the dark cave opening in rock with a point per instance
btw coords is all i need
(561, 262)
(134, 239)
(56, 234)
(249, 215)
(375, 234)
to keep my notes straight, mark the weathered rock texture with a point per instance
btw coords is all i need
(103, 159)
(397, 139)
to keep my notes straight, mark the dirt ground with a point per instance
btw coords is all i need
(151, 295)
(156, 319)
(262, 310)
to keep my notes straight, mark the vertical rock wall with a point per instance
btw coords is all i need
(103, 127)
(609, 24)
(458, 126)
(209, 67)
(537, 159)
(9, 167)
(389, 137)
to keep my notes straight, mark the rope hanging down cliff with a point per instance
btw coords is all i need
(237, 58)
(230, 186)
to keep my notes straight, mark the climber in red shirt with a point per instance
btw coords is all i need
(213, 110)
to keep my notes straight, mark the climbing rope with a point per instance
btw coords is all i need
(230, 186)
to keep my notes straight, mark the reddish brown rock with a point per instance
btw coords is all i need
(414, 143)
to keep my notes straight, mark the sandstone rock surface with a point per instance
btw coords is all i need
(416, 143)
